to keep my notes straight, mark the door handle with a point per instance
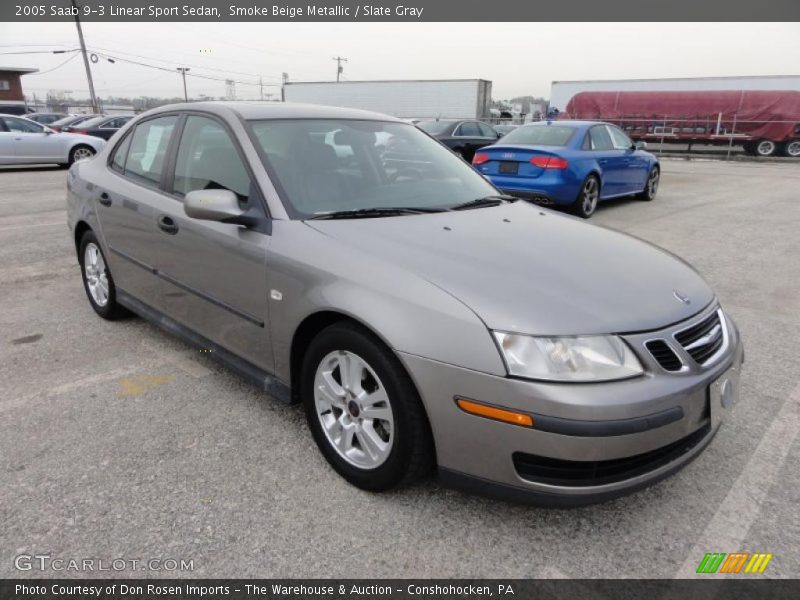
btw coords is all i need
(105, 200)
(167, 225)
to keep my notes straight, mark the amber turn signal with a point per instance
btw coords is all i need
(491, 412)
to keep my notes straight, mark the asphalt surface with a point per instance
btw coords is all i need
(117, 441)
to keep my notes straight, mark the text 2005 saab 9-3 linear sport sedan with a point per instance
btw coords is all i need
(405, 301)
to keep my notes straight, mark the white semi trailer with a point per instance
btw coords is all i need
(405, 99)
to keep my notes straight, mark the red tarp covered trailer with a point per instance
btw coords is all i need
(697, 116)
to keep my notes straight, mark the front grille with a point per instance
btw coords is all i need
(574, 473)
(702, 340)
(664, 355)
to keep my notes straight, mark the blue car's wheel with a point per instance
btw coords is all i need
(586, 202)
(651, 187)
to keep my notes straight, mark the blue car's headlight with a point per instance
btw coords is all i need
(578, 358)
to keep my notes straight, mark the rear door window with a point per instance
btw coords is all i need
(148, 149)
(22, 126)
(469, 129)
(120, 154)
(487, 131)
(600, 139)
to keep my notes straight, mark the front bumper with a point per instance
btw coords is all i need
(597, 441)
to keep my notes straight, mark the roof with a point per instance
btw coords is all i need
(279, 110)
(384, 81)
(731, 77)
(20, 70)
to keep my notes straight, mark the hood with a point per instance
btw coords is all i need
(528, 270)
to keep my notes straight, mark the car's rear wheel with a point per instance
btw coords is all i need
(97, 279)
(651, 187)
(80, 152)
(363, 410)
(586, 203)
(792, 148)
(766, 148)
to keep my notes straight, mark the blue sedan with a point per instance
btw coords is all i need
(573, 164)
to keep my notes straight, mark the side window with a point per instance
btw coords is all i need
(487, 131)
(469, 129)
(587, 141)
(22, 126)
(111, 124)
(600, 138)
(148, 149)
(618, 138)
(208, 160)
(120, 154)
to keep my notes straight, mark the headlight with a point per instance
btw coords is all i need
(580, 358)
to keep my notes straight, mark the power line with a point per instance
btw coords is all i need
(57, 66)
(161, 60)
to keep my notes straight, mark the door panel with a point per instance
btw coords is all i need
(7, 156)
(612, 162)
(128, 205)
(30, 143)
(214, 274)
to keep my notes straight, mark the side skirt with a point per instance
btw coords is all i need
(243, 368)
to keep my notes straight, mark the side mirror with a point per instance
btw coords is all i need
(639, 145)
(214, 205)
(499, 135)
(48, 131)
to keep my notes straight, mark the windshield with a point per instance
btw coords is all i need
(434, 127)
(327, 166)
(540, 135)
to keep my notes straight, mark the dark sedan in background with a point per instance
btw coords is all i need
(71, 121)
(102, 127)
(462, 137)
(46, 118)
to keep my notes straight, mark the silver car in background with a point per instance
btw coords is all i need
(348, 261)
(23, 141)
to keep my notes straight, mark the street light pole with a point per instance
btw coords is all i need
(183, 74)
(85, 58)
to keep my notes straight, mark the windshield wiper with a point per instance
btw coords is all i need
(485, 201)
(364, 213)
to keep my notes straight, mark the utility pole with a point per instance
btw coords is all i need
(183, 74)
(85, 58)
(261, 87)
(339, 68)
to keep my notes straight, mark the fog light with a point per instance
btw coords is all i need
(492, 412)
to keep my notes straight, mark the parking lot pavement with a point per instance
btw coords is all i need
(117, 441)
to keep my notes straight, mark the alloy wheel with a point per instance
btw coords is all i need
(354, 409)
(81, 153)
(591, 193)
(652, 183)
(94, 269)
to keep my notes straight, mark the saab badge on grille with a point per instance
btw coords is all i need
(680, 297)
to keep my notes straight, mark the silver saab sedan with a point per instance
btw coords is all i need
(348, 261)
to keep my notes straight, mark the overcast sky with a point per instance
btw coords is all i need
(519, 58)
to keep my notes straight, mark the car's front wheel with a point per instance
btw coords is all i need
(586, 203)
(97, 279)
(363, 410)
(651, 187)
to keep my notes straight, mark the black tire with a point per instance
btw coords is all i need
(651, 186)
(583, 207)
(792, 148)
(411, 455)
(110, 310)
(79, 150)
(766, 148)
